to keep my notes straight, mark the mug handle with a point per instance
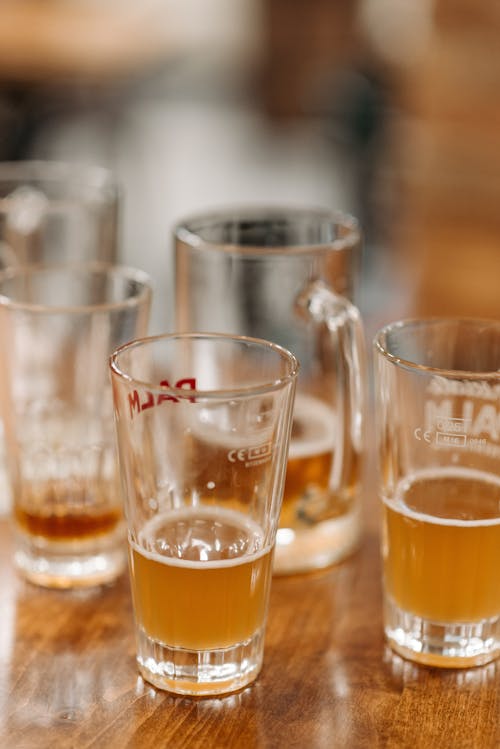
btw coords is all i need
(317, 302)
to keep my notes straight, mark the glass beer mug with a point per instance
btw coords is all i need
(287, 276)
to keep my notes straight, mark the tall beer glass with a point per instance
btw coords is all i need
(54, 213)
(438, 393)
(203, 426)
(58, 327)
(286, 275)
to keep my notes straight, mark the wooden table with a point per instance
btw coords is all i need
(68, 676)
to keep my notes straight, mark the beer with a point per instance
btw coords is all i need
(308, 497)
(313, 493)
(200, 578)
(441, 545)
(62, 511)
(216, 458)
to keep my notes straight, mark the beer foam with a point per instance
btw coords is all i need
(148, 535)
(225, 434)
(397, 503)
(318, 425)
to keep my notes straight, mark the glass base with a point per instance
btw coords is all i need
(71, 565)
(316, 547)
(200, 672)
(458, 645)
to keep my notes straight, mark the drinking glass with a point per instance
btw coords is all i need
(287, 275)
(438, 387)
(203, 425)
(53, 213)
(58, 327)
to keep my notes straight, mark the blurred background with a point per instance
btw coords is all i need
(384, 108)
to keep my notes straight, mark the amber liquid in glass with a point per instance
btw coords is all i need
(308, 497)
(200, 578)
(62, 511)
(441, 546)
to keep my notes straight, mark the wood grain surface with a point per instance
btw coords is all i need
(68, 677)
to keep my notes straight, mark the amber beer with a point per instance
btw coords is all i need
(441, 546)
(68, 511)
(308, 496)
(200, 578)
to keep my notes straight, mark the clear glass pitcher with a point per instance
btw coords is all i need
(287, 276)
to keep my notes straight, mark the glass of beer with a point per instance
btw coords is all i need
(203, 423)
(437, 395)
(287, 275)
(58, 326)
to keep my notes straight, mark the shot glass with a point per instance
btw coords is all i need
(203, 424)
(438, 391)
(58, 327)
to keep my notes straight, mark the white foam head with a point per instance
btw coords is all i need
(397, 503)
(150, 532)
(317, 427)
(228, 430)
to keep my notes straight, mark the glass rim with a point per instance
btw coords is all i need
(215, 394)
(185, 231)
(92, 175)
(125, 272)
(428, 322)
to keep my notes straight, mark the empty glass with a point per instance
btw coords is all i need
(53, 213)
